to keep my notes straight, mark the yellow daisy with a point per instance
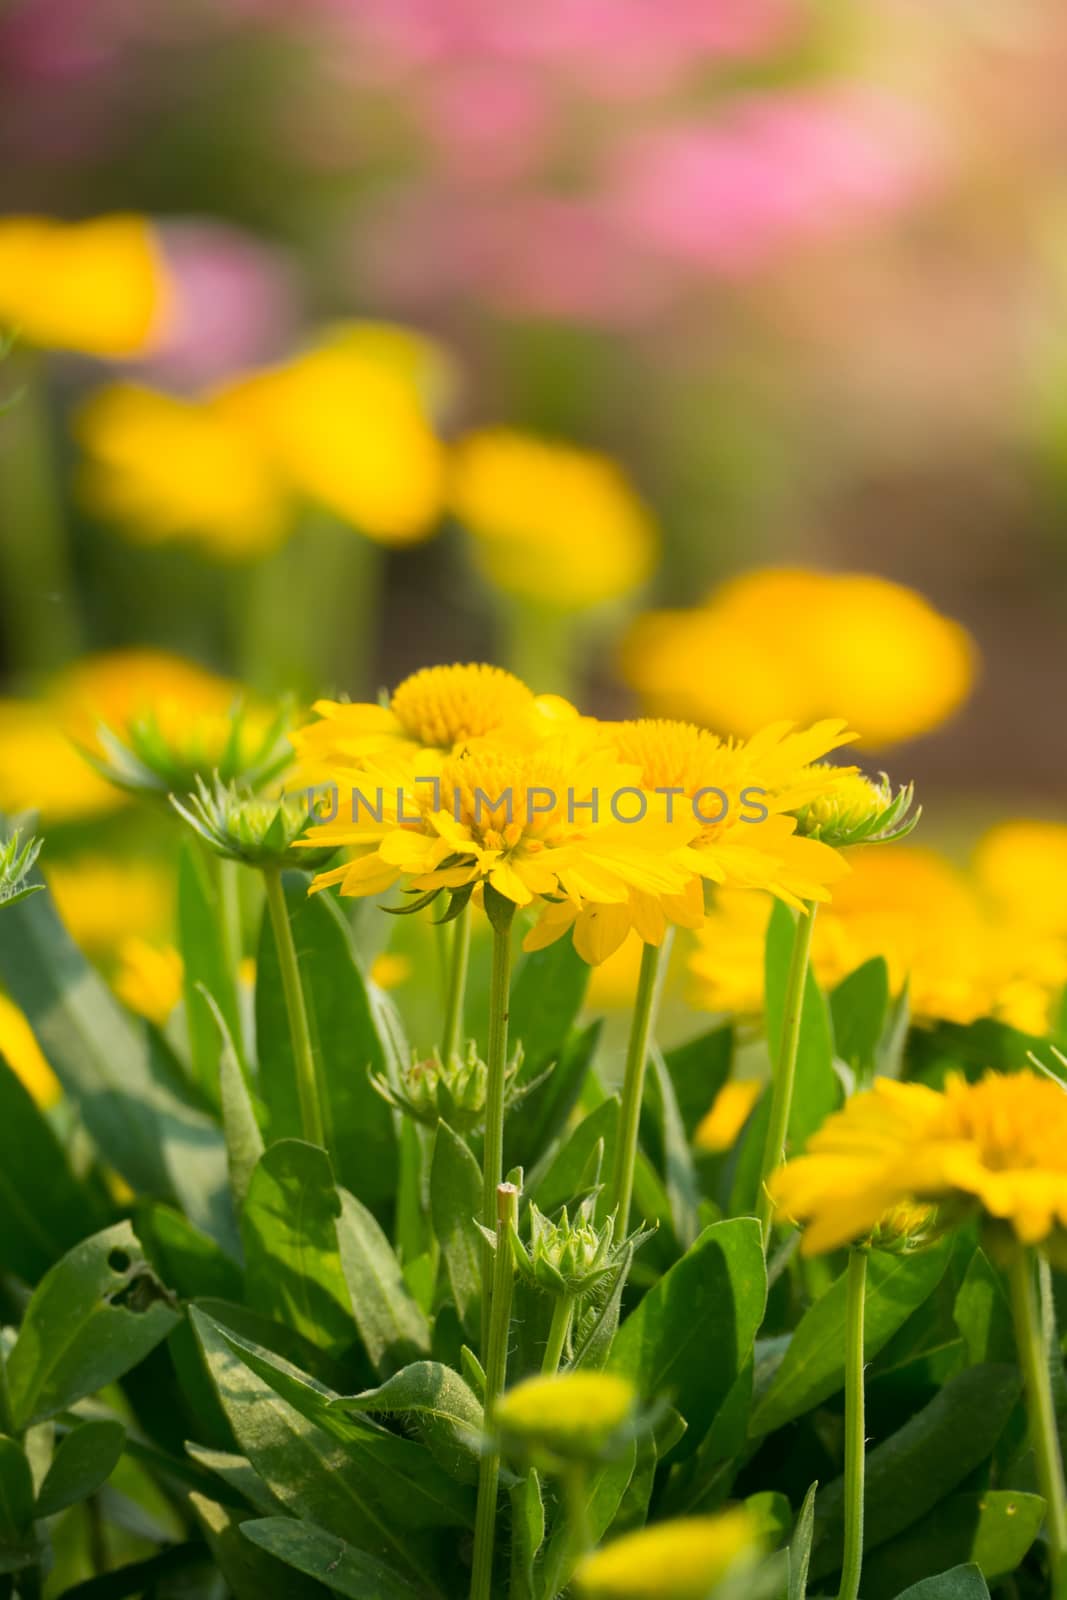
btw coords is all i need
(679, 1560)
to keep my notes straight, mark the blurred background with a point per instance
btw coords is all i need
(402, 331)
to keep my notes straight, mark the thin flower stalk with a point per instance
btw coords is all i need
(496, 1063)
(299, 1032)
(855, 1425)
(785, 1066)
(506, 1199)
(1034, 1359)
(641, 1028)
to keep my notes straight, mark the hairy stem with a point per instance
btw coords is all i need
(562, 1317)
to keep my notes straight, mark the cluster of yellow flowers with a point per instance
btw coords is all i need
(467, 780)
(988, 942)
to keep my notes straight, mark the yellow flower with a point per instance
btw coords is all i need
(103, 901)
(567, 1414)
(680, 1560)
(98, 286)
(720, 1126)
(436, 711)
(166, 469)
(1022, 866)
(389, 970)
(348, 428)
(41, 770)
(529, 822)
(148, 978)
(550, 523)
(999, 1144)
(805, 645)
(20, 1050)
(729, 800)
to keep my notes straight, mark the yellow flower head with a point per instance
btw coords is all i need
(348, 428)
(566, 1414)
(680, 1560)
(999, 1145)
(148, 978)
(550, 523)
(166, 468)
(805, 645)
(435, 711)
(23, 1054)
(103, 901)
(99, 286)
(721, 1125)
(1022, 866)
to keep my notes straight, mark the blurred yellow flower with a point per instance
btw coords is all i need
(1022, 866)
(389, 970)
(42, 771)
(165, 468)
(99, 286)
(718, 1129)
(148, 978)
(103, 901)
(551, 523)
(679, 1560)
(347, 426)
(20, 1050)
(999, 1144)
(567, 1413)
(803, 644)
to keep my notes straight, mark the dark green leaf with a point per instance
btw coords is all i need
(239, 1476)
(43, 1209)
(800, 1547)
(93, 1316)
(994, 1530)
(16, 1496)
(360, 1132)
(186, 1259)
(546, 998)
(208, 967)
(859, 1007)
(319, 1554)
(527, 1534)
(693, 1332)
(679, 1175)
(922, 1462)
(814, 1364)
(542, 1115)
(455, 1204)
(961, 1583)
(250, 1571)
(444, 1411)
(607, 1486)
(392, 1326)
(292, 1263)
(983, 1315)
(698, 1070)
(244, 1141)
(85, 1459)
(563, 1176)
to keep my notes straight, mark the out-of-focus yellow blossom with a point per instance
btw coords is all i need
(389, 970)
(805, 644)
(416, 358)
(741, 836)
(166, 468)
(550, 523)
(23, 1055)
(148, 978)
(680, 1560)
(719, 1128)
(348, 428)
(104, 901)
(42, 771)
(1022, 866)
(436, 711)
(568, 1414)
(961, 959)
(999, 1145)
(98, 286)
(613, 984)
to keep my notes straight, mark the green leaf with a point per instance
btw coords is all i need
(817, 1090)
(85, 1459)
(800, 1547)
(983, 1315)
(43, 1209)
(455, 1204)
(694, 1330)
(293, 1265)
(250, 1571)
(16, 1496)
(444, 1411)
(207, 968)
(703, 1482)
(993, 1530)
(543, 1114)
(961, 1583)
(814, 1364)
(698, 1070)
(607, 1486)
(392, 1326)
(922, 1462)
(186, 1259)
(859, 1007)
(356, 1487)
(239, 1476)
(319, 1554)
(244, 1141)
(564, 1174)
(546, 998)
(348, 1046)
(93, 1316)
(527, 1534)
(138, 1116)
(679, 1174)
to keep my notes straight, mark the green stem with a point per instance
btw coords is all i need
(496, 1064)
(7, 1420)
(633, 1087)
(1034, 1360)
(785, 1066)
(299, 1032)
(506, 1200)
(855, 1426)
(40, 619)
(539, 645)
(452, 1036)
(562, 1317)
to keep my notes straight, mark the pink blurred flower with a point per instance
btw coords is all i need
(486, 124)
(724, 195)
